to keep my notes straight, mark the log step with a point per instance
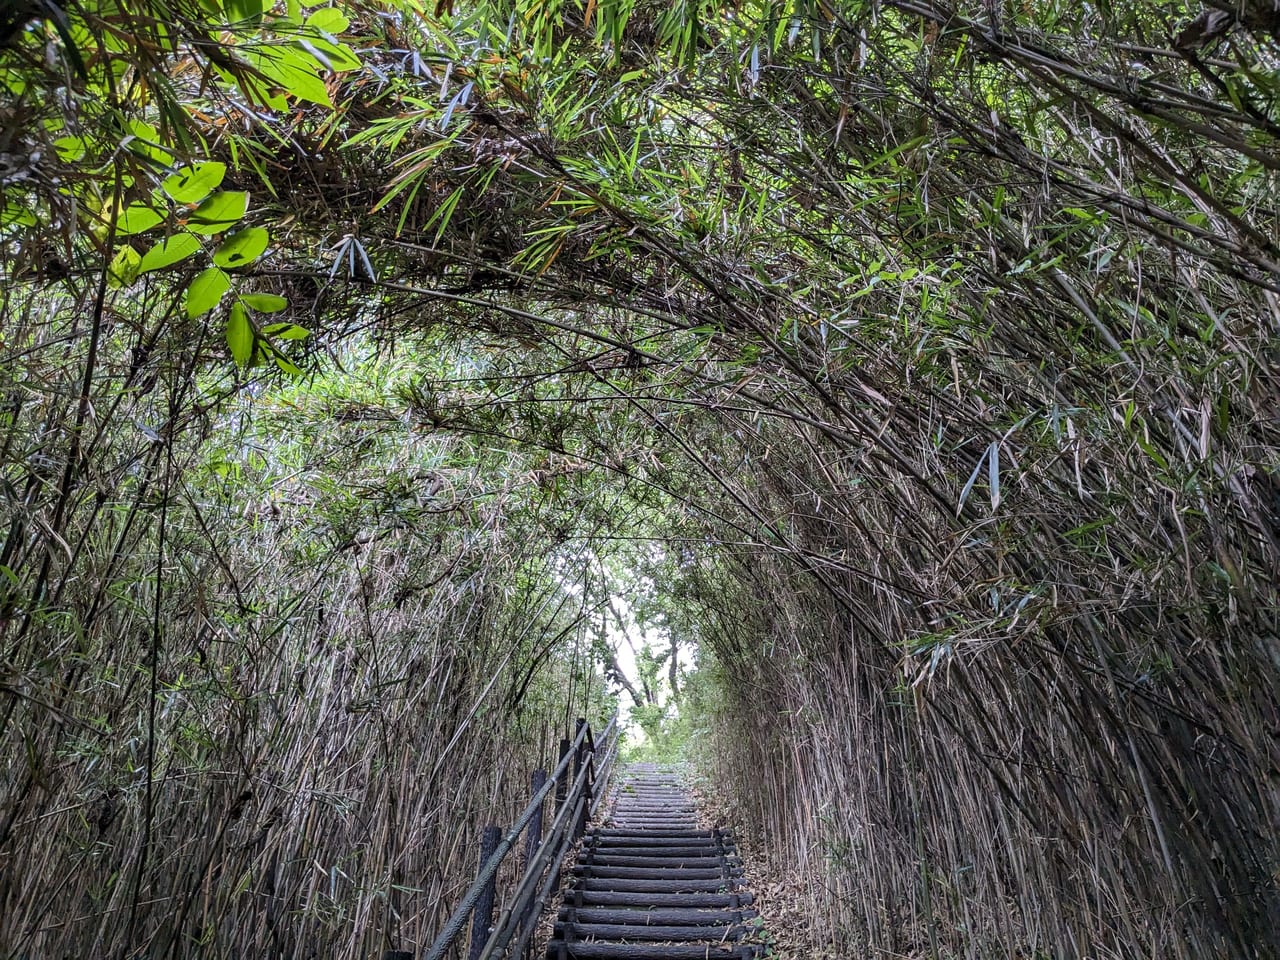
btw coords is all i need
(639, 931)
(668, 916)
(672, 872)
(596, 950)
(609, 860)
(613, 898)
(655, 886)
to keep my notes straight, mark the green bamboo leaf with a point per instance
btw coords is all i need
(264, 302)
(294, 70)
(123, 269)
(136, 218)
(192, 184)
(243, 11)
(205, 291)
(169, 251)
(286, 331)
(292, 369)
(242, 248)
(220, 212)
(70, 149)
(144, 141)
(329, 20)
(240, 335)
(16, 214)
(336, 57)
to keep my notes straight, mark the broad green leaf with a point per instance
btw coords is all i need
(145, 142)
(336, 57)
(123, 269)
(254, 90)
(220, 212)
(292, 369)
(169, 251)
(286, 331)
(329, 20)
(192, 184)
(293, 69)
(137, 217)
(240, 335)
(70, 149)
(239, 11)
(206, 290)
(16, 214)
(264, 302)
(242, 247)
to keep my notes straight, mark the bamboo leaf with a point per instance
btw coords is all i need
(239, 335)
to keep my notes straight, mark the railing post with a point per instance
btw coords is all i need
(562, 787)
(579, 758)
(483, 916)
(533, 838)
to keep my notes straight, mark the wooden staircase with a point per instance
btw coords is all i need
(651, 885)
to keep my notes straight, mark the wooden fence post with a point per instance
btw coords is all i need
(533, 839)
(562, 787)
(579, 758)
(483, 916)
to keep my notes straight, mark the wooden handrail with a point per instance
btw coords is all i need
(518, 916)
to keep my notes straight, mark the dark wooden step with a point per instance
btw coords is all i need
(674, 872)
(653, 860)
(668, 916)
(664, 833)
(640, 901)
(640, 931)
(588, 950)
(626, 847)
(655, 886)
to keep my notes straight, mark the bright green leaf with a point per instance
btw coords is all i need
(253, 89)
(192, 184)
(240, 11)
(138, 217)
(292, 369)
(264, 302)
(329, 20)
(205, 291)
(123, 269)
(336, 57)
(293, 69)
(286, 331)
(240, 335)
(70, 149)
(169, 251)
(242, 247)
(220, 212)
(145, 142)
(17, 214)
